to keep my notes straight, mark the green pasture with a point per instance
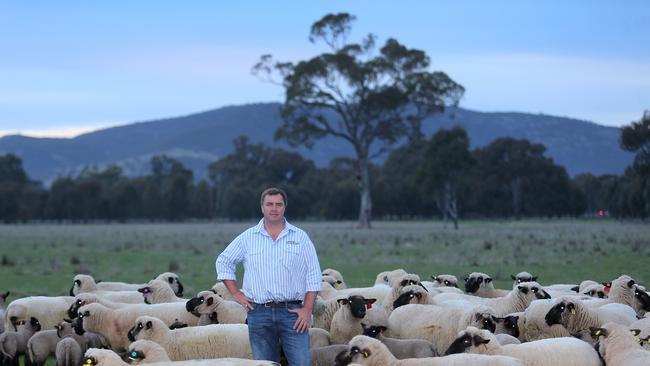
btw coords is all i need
(42, 259)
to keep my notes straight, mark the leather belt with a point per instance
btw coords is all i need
(281, 304)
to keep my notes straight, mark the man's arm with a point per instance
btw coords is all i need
(304, 313)
(239, 296)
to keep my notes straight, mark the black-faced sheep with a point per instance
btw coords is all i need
(618, 347)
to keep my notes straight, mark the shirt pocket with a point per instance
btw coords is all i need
(291, 255)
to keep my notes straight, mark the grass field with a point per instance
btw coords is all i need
(42, 259)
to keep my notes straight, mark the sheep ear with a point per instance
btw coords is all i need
(575, 288)
(513, 277)
(148, 325)
(435, 278)
(210, 301)
(480, 341)
(523, 289)
(635, 332)
(630, 283)
(382, 328)
(571, 307)
(67, 320)
(343, 301)
(535, 278)
(370, 301)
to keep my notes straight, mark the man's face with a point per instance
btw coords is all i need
(273, 208)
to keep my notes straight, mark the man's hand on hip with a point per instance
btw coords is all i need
(304, 319)
(246, 302)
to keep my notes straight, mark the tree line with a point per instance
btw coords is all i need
(424, 178)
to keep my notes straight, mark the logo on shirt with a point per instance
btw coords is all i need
(292, 242)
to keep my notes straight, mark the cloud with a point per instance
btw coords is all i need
(61, 131)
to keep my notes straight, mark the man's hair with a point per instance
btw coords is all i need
(273, 191)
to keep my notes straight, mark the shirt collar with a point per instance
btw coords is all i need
(259, 228)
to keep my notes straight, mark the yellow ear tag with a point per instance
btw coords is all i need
(573, 311)
(365, 354)
(598, 332)
(336, 285)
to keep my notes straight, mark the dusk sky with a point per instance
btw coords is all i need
(68, 67)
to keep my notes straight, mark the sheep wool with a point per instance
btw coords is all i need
(618, 347)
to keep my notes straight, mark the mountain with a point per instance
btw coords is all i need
(201, 138)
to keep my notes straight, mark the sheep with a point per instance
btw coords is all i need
(511, 324)
(597, 291)
(14, 344)
(414, 294)
(43, 344)
(3, 306)
(89, 298)
(338, 277)
(102, 357)
(220, 289)
(47, 309)
(158, 292)
(396, 287)
(318, 338)
(228, 312)
(575, 316)
(566, 351)
(379, 292)
(444, 280)
(534, 322)
(504, 339)
(148, 352)
(332, 281)
(643, 325)
(326, 356)
(624, 290)
(388, 277)
(400, 348)
(369, 351)
(323, 312)
(346, 322)
(68, 352)
(480, 284)
(86, 283)
(522, 277)
(437, 324)
(114, 324)
(618, 347)
(208, 341)
(517, 300)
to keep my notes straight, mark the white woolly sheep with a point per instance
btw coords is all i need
(346, 322)
(86, 283)
(522, 277)
(115, 324)
(438, 324)
(566, 351)
(43, 344)
(207, 302)
(220, 289)
(49, 310)
(534, 322)
(338, 277)
(400, 348)
(159, 292)
(369, 351)
(414, 294)
(68, 352)
(408, 279)
(13, 344)
(516, 300)
(102, 357)
(618, 347)
(208, 341)
(643, 325)
(504, 339)
(596, 290)
(511, 324)
(149, 352)
(575, 316)
(388, 277)
(480, 284)
(379, 292)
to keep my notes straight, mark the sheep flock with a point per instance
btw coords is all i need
(398, 319)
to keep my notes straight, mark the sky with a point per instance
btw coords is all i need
(69, 67)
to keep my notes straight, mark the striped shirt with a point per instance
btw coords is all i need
(274, 270)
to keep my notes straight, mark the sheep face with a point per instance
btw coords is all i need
(174, 282)
(406, 298)
(532, 291)
(475, 280)
(484, 321)
(355, 353)
(76, 284)
(523, 277)
(193, 303)
(146, 294)
(358, 305)
(560, 312)
(595, 293)
(78, 322)
(138, 328)
(372, 330)
(63, 329)
(446, 280)
(73, 310)
(135, 357)
(643, 298)
(467, 340)
(510, 324)
(332, 281)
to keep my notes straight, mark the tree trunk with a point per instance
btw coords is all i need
(451, 204)
(365, 209)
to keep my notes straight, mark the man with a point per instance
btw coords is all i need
(281, 280)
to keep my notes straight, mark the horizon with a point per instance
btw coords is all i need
(76, 67)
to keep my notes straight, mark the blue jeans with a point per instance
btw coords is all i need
(269, 327)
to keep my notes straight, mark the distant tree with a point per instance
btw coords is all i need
(445, 168)
(173, 182)
(13, 180)
(636, 138)
(60, 202)
(372, 100)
